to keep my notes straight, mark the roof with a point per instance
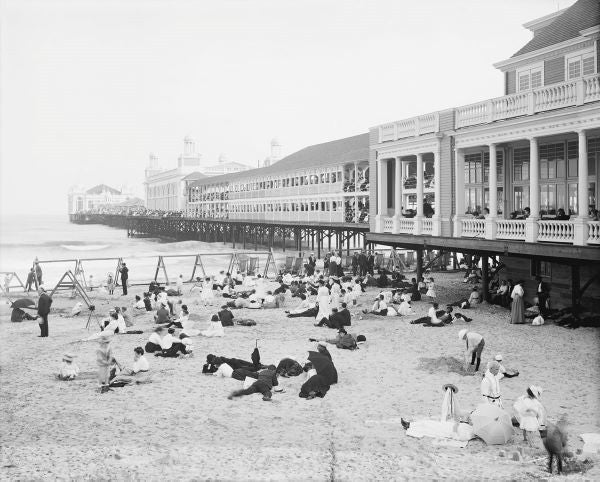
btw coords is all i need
(223, 165)
(349, 149)
(193, 176)
(100, 188)
(135, 201)
(581, 15)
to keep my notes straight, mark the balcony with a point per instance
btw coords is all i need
(550, 97)
(550, 231)
(413, 127)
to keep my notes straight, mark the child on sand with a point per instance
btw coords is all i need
(431, 289)
(69, 369)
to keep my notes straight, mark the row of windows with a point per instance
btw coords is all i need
(164, 190)
(576, 66)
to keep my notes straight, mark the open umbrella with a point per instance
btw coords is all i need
(255, 357)
(492, 424)
(23, 303)
(324, 366)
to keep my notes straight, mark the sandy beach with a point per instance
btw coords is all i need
(182, 426)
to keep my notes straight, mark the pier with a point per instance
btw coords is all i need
(241, 234)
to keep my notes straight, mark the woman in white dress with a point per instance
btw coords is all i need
(336, 292)
(529, 411)
(208, 295)
(323, 300)
(431, 289)
(215, 328)
(405, 308)
(490, 385)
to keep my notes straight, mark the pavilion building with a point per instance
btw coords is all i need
(465, 179)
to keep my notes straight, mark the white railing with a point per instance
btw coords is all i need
(556, 231)
(473, 228)
(593, 232)
(574, 92)
(510, 229)
(415, 126)
(427, 227)
(406, 225)
(388, 225)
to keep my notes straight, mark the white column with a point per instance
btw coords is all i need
(356, 186)
(437, 180)
(493, 180)
(420, 185)
(490, 222)
(582, 198)
(531, 226)
(459, 190)
(534, 177)
(381, 193)
(581, 221)
(397, 195)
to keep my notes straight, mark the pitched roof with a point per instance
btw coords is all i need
(349, 149)
(581, 15)
(193, 176)
(100, 188)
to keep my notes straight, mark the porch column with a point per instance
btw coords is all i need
(419, 217)
(459, 190)
(397, 195)
(580, 222)
(437, 181)
(356, 210)
(381, 194)
(531, 226)
(490, 222)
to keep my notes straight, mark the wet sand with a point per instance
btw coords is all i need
(182, 425)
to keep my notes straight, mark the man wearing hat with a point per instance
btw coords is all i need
(44, 303)
(124, 277)
(475, 344)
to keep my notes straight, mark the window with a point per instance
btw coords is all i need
(521, 198)
(530, 78)
(580, 64)
(521, 164)
(541, 268)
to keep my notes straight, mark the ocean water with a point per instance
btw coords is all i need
(57, 243)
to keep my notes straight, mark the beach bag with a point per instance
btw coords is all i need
(347, 342)
(537, 321)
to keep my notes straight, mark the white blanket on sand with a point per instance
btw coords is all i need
(437, 429)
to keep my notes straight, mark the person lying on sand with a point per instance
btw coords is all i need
(440, 318)
(267, 379)
(171, 347)
(344, 340)
(69, 369)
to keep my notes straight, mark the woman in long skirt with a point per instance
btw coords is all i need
(517, 310)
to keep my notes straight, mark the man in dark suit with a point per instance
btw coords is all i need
(371, 263)
(543, 294)
(354, 263)
(44, 304)
(124, 276)
(363, 263)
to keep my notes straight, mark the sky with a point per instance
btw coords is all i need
(88, 88)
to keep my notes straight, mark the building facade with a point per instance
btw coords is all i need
(326, 182)
(81, 199)
(513, 175)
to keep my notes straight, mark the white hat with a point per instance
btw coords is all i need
(498, 357)
(462, 333)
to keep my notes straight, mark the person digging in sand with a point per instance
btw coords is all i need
(475, 344)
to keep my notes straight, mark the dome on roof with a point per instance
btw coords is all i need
(223, 158)
(275, 142)
(188, 138)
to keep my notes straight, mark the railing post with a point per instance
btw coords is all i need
(489, 111)
(530, 103)
(531, 230)
(580, 92)
(580, 231)
(491, 228)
